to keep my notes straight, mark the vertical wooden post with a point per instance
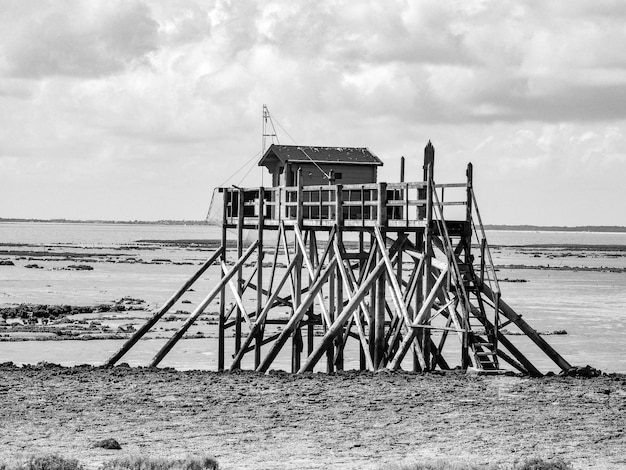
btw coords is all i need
(338, 282)
(332, 313)
(280, 194)
(362, 363)
(419, 243)
(382, 206)
(222, 312)
(311, 311)
(468, 215)
(379, 335)
(405, 218)
(469, 260)
(372, 308)
(259, 279)
(339, 345)
(300, 207)
(339, 207)
(240, 241)
(429, 161)
(296, 345)
(296, 338)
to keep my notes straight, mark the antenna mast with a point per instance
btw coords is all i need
(268, 129)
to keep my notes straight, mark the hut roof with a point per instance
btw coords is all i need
(306, 154)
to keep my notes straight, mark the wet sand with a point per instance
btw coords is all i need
(284, 421)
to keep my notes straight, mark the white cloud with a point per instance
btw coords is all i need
(75, 38)
(160, 90)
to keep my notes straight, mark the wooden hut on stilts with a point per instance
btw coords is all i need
(342, 264)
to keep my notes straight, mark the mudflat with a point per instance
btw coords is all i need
(282, 421)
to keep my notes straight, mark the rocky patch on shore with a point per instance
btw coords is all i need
(29, 312)
(35, 322)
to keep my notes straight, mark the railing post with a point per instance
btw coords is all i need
(496, 320)
(483, 246)
(382, 205)
(299, 206)
(406, 204)
(339, 206)
(468, 214)
(320, 214)
(363, 206)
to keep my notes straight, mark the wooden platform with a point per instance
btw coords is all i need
(391, 206)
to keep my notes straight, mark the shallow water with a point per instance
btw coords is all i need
(589, 305)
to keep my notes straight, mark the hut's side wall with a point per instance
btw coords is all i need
(344, 174)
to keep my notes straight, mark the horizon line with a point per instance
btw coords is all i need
(521, 227)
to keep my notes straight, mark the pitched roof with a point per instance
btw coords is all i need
(301, 153)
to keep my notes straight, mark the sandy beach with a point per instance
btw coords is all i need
(283, 421)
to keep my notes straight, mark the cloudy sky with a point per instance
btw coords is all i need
(132, 109)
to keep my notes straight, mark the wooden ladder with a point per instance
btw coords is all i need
(482, 336)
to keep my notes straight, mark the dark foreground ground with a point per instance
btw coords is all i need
(282, 421)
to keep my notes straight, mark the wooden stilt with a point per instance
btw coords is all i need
(414, 281)
(163, 310)
(339, 339)
(240, 242)
(311, 311)
(259, 279)
(297, 316)
(364, 349)
(509, 313)
(200, 309)
(379, 339)
(259, 323)
(221, 340)
(335, 328)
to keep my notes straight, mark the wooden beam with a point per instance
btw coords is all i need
(508, 312)
(163, 310)
(342, 317)
(238, 300)
(259, 321)
(419, 319)
(320, 279)
(349, 282)
(309, 266)
(259, 278)
(200, 308)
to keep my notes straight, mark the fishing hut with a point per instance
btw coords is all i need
(329, 265)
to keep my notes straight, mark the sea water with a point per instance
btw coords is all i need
(589, 304)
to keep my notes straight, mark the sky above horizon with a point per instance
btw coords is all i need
(136, 110)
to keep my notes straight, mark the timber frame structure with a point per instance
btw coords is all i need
(372, 267)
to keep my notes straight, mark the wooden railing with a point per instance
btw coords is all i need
(356, 205)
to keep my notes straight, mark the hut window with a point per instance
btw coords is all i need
(338, 175)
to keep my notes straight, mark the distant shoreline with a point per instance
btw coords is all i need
(557, 228)
(516, 228)
(97, 221)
